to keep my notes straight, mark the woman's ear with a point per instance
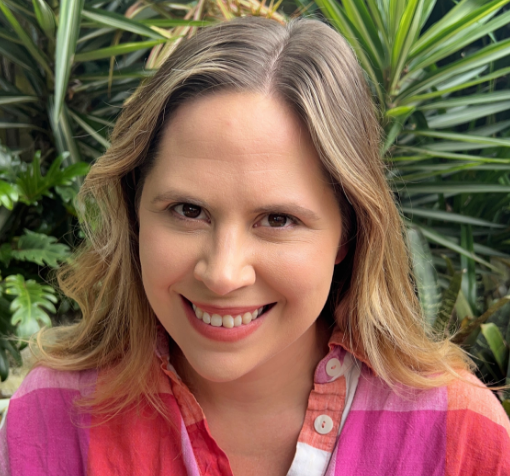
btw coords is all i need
(342, 252)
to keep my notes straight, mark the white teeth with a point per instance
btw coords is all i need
(227, 321)
(216, 320)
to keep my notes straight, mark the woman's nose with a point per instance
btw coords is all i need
(225, 264)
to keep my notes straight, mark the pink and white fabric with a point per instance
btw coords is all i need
(354, 425)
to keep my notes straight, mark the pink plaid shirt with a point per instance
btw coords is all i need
(354, 425)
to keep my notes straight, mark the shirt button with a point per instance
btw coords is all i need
(334, 368)
(323, 424)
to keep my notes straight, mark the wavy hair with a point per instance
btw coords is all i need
(372, 299)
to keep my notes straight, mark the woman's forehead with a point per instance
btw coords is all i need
(239, 146)
(242, 120)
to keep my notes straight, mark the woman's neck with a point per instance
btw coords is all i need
(283, 382)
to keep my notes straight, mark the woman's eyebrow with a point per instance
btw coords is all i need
(283, 208)
(174, 196)
(289, 209)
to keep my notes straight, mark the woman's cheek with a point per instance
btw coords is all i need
(165, 258)
(301, 270)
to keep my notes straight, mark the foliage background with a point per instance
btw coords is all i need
(439, 72)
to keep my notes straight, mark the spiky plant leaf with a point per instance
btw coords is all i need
(45, 17)
(425, 274)
(448, 304)
(31, 303)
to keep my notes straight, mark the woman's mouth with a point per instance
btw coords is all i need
(228, 321)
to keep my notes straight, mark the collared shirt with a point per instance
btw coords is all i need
(355, 424)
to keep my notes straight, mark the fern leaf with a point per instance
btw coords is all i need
(30, 305)
(8, 194)
(40, 249)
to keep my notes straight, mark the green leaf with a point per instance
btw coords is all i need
(45, 18)
(448, 304)
(333, 11)
(472, 326)
(121, 49)
(442, 91)
(449, 217)
(469, 279)
(6, 253)
(68, 134)
(398, 115)
(357, 13)
(40, 249)
(426, 174)
(488, 251)
(89, 129)
(33, 185)
(468, 100)
(120, 22)
(454, 188)
(30, 305)
(506, 406)
(445, 30)
(8, 195)
(467, 114)
(16, 54)
(497, 344)
(67, 36)
(436, 237)
(482, 57)
(6, 99)
(36, 53)
(405, 36)
(423, 151)
(468, 138)
(425, 274)
(464, 37)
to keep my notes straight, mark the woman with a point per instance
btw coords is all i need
(247, 306)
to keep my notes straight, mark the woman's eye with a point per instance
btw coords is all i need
(188, 210)
(277, 221)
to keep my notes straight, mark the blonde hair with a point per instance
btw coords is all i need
(373, 300)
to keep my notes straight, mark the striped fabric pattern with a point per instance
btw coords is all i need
(456, 430)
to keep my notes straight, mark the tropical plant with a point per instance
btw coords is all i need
(68, 66)
(37, 207)
(441, 85)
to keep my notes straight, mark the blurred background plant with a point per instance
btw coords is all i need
(439, 72)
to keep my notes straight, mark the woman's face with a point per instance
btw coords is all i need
(236, 216)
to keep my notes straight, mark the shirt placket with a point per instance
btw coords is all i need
(326, 403)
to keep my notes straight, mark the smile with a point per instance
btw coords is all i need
(228, 321)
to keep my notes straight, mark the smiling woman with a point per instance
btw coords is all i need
(246, 293)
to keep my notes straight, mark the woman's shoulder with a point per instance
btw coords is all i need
(42, 421)
(44, 381)
(469, 397)
(465, 426)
